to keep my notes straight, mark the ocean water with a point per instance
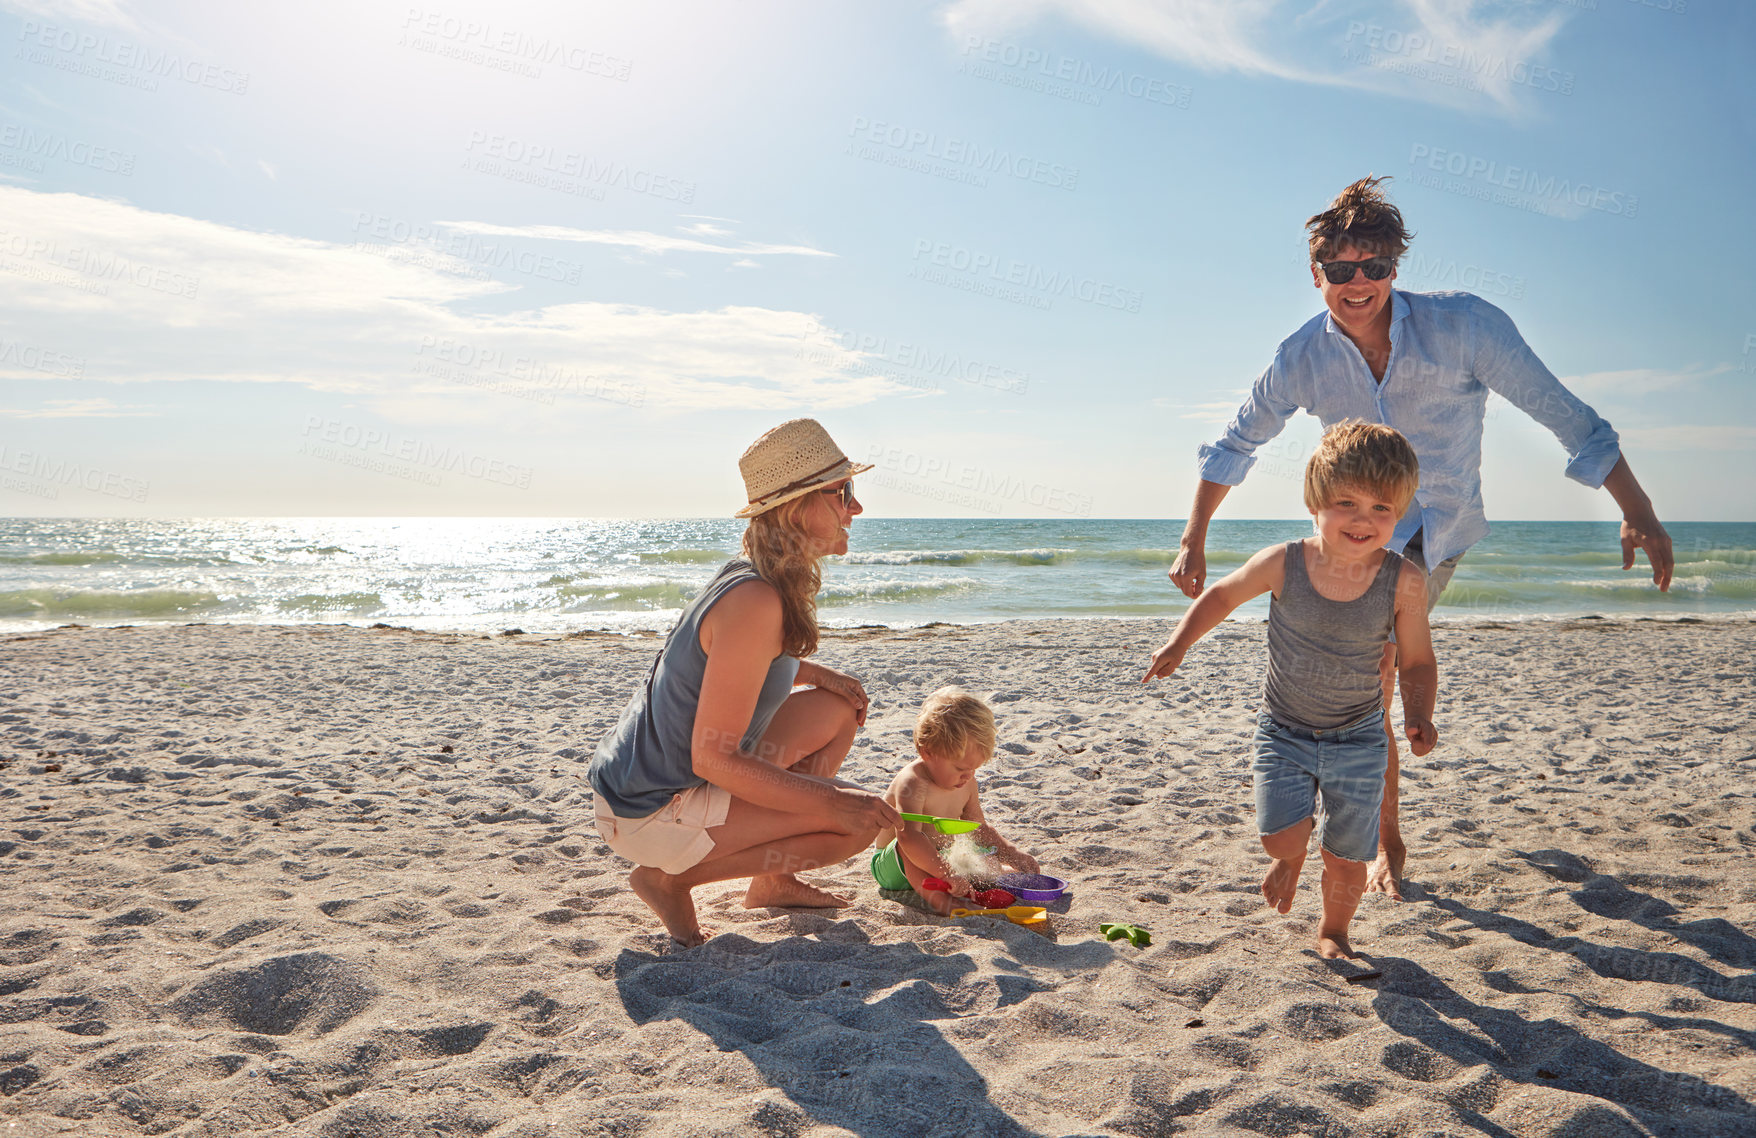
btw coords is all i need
(563, 574)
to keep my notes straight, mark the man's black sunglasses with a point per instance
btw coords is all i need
(1341, 272)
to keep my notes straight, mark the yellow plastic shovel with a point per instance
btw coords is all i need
(1017, 914)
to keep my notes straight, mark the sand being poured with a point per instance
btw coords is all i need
(966, 859)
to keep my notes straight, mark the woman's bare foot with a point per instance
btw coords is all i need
(1282, 882)
(1334, 946)
(671, 901)
(784, 891)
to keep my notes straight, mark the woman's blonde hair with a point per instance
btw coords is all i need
(778, 549)
(952, 718)
(1368, 455)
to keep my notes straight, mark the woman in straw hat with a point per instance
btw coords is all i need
(718, 769)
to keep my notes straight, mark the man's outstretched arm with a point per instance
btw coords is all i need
(1640, 525)
(1189, 573)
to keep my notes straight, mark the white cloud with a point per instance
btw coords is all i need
(77, 409)
(273, 175)
(653, 243)
(1464, 53)
(1215, 414)
(1690, 437)
(1640, 380)
(145, 296)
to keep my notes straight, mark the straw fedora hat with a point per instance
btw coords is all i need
(790, 461)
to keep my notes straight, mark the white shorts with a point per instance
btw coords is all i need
(674, 837)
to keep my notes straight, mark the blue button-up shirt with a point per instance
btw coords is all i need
(1448, 350)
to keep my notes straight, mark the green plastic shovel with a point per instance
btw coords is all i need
(944, 825)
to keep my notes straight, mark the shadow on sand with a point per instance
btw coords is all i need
(842, 1027)
(1419, 1005)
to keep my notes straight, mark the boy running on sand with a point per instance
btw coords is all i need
(1337, 599)
(954, 737)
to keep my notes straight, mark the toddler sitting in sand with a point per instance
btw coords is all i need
(954, 736)
(1338, 597)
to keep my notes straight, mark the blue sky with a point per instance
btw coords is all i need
(1023, 255)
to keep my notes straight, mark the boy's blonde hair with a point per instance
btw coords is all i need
(950, 720)
(1368, 455)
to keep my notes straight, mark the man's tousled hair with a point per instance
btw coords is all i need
(1360, 216)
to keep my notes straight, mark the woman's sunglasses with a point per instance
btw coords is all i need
(846, 492)
(1341, 272)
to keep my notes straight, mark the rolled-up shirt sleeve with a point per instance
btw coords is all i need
(1505, 364)
(1261, 418)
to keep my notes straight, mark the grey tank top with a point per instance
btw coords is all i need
(1323, 655)
(647, 758)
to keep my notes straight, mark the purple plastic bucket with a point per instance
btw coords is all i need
(1037, 887)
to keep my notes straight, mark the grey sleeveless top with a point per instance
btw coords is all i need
(647, 758)
(1323, 655)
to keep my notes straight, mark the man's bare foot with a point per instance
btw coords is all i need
(1385, 873)
(784, 891)
(1334, 946)
(1281, 883)
(672, 902)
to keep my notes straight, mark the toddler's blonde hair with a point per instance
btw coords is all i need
(950, 720)
(1368, 455)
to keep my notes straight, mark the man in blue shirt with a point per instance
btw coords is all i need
(1425, 364)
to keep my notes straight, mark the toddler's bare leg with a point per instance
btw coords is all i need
(1385, 875)
(1287, 848)
(1344, 882)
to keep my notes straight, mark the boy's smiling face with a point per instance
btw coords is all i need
(954, 772)
(1356, 521)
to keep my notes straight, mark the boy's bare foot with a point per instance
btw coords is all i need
(1282, 882)
(1334, 946)
(1385, 874)
(671, 901)
(784, 891)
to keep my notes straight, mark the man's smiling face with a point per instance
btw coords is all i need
(1360, 305)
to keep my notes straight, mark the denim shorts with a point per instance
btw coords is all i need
(1295, 767)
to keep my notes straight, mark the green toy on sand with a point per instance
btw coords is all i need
(1136, 935)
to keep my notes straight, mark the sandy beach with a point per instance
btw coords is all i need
(342, 881)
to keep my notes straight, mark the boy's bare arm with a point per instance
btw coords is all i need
(916, 840)
(1263, 573)
(1417, 668)
(1008, 853)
